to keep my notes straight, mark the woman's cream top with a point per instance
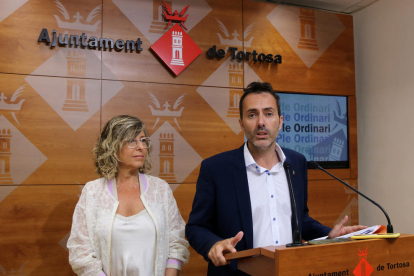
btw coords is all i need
(133, 245)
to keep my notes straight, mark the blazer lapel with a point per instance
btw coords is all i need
(243, 196)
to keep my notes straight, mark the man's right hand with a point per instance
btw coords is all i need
(224, 246)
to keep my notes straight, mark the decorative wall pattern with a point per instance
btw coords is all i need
(55, 100)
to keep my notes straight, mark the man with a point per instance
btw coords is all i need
(242, 199)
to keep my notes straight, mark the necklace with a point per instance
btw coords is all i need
(127, 189)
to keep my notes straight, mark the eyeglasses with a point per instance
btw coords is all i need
(145, 142)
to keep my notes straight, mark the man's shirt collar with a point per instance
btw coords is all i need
(252, 165)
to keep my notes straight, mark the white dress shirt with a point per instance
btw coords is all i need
(270, 201)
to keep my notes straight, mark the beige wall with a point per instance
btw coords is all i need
(384, 59)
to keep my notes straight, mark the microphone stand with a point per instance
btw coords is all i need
(315, 165)
(297, 235)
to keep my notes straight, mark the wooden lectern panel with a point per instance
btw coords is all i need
(355, 258)
(365, 257)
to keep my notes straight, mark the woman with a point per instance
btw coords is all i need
(126, 222)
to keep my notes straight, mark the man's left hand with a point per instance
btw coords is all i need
(340, 229)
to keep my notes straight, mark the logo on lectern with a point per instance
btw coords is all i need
(363, 268)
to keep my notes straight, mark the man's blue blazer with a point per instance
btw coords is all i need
(221, 206)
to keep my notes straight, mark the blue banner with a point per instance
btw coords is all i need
(315, 125)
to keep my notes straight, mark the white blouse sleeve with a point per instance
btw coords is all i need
(177, 243)
(82, 257)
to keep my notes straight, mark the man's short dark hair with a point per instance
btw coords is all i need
(258, 88)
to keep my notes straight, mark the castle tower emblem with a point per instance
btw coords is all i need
(363, 268)
(75, 91)
(14, 272)
(167, 157)
(307, 30)
(5, 153)
(177, 49)
(158, 25)
(235, 41)
(77, 25)
(166, 112)
(12, 105)
(235, 79)
(174, 16)
(174, 47)
(336, 150)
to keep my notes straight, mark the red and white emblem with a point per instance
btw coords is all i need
(175, 17)
(363, 268)
(176, 49)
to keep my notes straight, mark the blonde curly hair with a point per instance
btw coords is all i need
(117, 131)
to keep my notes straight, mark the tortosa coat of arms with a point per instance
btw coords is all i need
(175, 48)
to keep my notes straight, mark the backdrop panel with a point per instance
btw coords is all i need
(317, 48)
(329, 201)
(21, 23)
(129, 20)
(35, 225)
(50, 126)
(186, 123)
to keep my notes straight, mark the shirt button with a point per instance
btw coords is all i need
(271, 196)
(268, 174)
(274, 219)
(277, 242)
(257, 167)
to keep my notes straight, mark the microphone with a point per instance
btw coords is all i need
(315, 165)
(297, 235)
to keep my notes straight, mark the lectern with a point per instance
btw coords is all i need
(359, 257)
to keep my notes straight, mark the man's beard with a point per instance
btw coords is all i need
(257, 143)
